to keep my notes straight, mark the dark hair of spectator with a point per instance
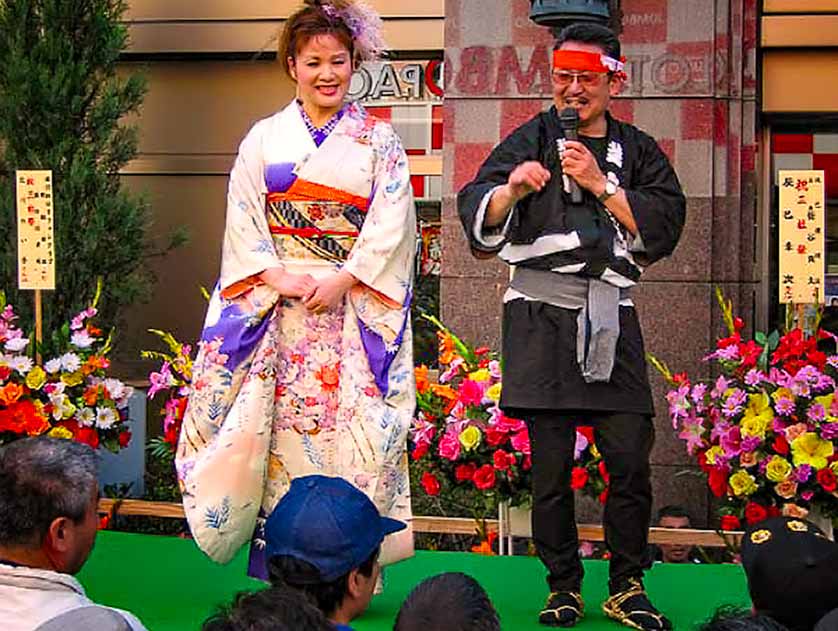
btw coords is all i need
(292, 572)
(311, 21)
(673, 510)
(448, 602)
(591, 33)
(729, 618)
(272, 609)
(41, 480)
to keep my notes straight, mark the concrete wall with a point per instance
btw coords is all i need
(692, 68)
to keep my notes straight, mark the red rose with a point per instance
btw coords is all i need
(88, 436)
(774, 511)
(781, 445)
(826, 478)
(503, 460)
(754, 513)
(718, 482)
(578, 478)
(5, 372)
(421, 450)
(738, 324)
(465, 472)
(124, 438)
(730, 522)
(482, 350)
(430, 483)
(495, 437)
(484, 477)
(527, 463)
(603, 497)
(588, 432)
(603, 471)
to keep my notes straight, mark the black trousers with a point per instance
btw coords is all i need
(625, 441)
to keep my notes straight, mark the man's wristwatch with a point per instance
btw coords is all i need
(610, 190)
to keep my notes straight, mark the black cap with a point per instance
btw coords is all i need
(792, 571)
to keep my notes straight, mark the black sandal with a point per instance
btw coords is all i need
(632, 608)
(563, 609)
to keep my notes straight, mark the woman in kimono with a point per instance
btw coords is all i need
(305, 362)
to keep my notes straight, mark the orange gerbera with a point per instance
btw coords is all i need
(91, 395)
(422, 383)
(329, 376)
(447, 352)
(10, 393)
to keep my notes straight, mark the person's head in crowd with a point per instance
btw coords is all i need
(448, 602)
(727, 618)
(674, 517)
(324, 538)
(791, 570)
(48, 500)
(829, 622)
(272, 609)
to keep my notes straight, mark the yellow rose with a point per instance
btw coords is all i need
(826, 402)
(713, 453)
(778, 469)
(480, 375)
(786, 489)
(36, 378)
(809, 449)
(60, 432)
(754, 426)
(470, 437)
(834, 467)
(493, 392)
(793, 510)
(742, 483)
(72, 378)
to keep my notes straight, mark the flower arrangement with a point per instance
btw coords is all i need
(461, 438)
(764, 432)
(70, 395)
(174, 379)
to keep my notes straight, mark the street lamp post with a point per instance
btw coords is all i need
(556, 14)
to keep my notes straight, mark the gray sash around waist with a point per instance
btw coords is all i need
(598, 322)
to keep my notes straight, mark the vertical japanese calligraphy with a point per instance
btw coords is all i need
(802, 212)
(35, 231)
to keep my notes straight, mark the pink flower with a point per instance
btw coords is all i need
(494, 369)
(692, 433)
(719, 389)
(581, 445)
(521, 442)
(470, 392)
(159, 380)
(449, 445)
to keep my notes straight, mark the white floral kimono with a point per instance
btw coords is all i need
(279, 392)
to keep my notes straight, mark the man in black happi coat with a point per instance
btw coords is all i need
(572, 344)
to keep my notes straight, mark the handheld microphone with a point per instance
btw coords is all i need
(569, 120)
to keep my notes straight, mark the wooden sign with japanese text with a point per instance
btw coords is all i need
(802, 220)
(35, 232)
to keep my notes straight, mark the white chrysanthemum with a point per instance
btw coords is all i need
(53, 365)
(81, 339)
(105, 417)
(86, 417)
(17, 344)
(70, 362)
(22, 364)
(118, 390)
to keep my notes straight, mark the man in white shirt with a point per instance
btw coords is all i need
(48, 523)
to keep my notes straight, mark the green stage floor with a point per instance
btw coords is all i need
(172, 586)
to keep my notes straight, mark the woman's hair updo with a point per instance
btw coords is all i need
(352, 23)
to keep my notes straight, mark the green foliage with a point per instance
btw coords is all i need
(425, 301)
(62, 107)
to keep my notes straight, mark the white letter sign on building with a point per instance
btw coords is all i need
(802, 210)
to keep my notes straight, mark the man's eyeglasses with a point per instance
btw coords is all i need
(586, 79)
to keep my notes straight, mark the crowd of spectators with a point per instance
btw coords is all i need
(322, 542)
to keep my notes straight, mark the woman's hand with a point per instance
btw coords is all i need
(328, 292)
(287, 284)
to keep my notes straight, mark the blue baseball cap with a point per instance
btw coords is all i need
(328, 523)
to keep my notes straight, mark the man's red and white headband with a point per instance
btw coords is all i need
(595, 62)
